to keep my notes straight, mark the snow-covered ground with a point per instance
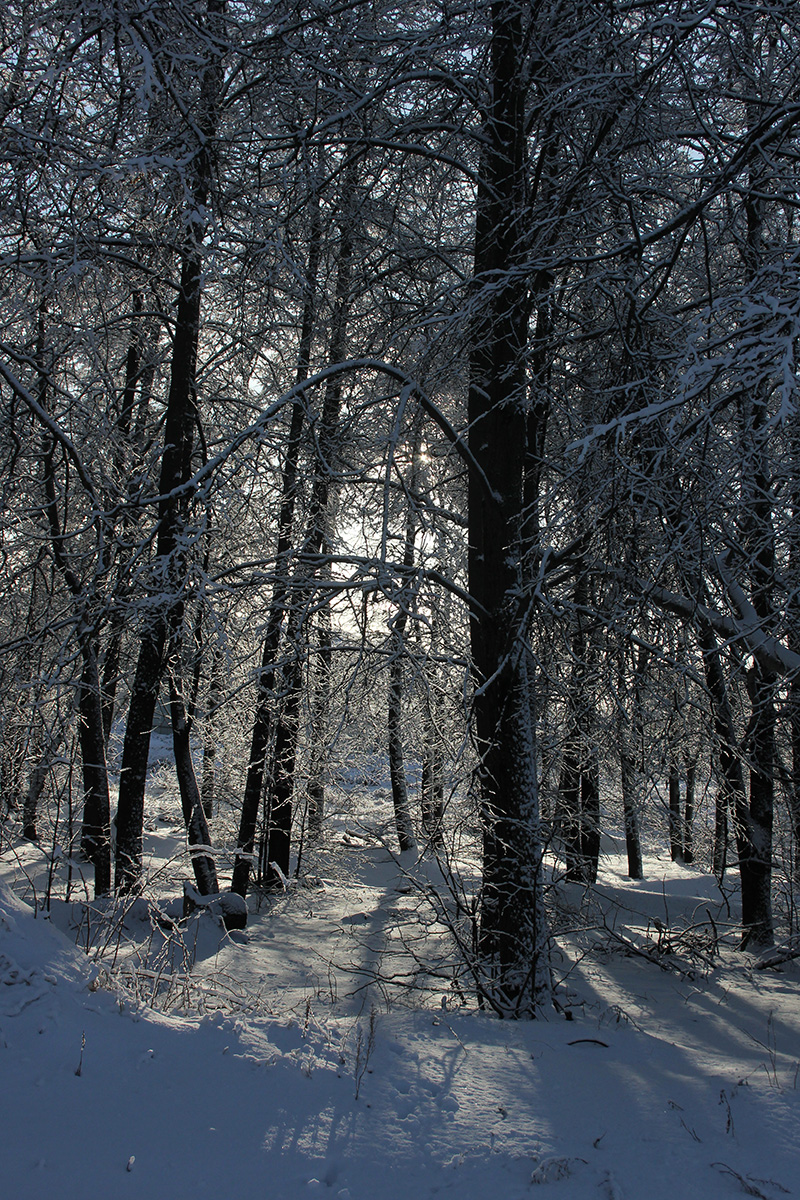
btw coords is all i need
(312, 1055)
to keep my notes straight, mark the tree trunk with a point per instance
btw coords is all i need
(319, 729)
(755, 837)
(208, 787)
(30, 807)
(163, 627)
(198, 835)
(135, 753)
(262, 722)
(688, 821)
(316, 537)
(96, 834)
(580, 782)
(630, 814)
(630, 739)
(515, 971)
(432, 784)
(281, 789)
(96, 837)
(398, 626)
(754, 867)
(569, 807)
(675, 815)
(397, 772)
(755, 849)
(590, 816)
(110, 677)
(719, 852)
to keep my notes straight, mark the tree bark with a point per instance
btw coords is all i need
(162, 628)
(630, 737)
(30, 808)
(398, 626)
(513, 928)
(194, 816)
(432, 784)
(316, 537)
(688, 819)
(319, 728)
(675, 815)
(262, 722)
(209, 785)
(630, 814)
(580, 773)
(96, 835)
(169, 570)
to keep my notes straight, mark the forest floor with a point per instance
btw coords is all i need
(333, 1048)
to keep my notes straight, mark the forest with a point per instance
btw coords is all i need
(399, 598)
(407, 394)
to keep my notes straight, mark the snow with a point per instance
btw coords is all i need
(311, 1054)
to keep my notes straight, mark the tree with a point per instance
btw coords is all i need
(160, 645)
(513, 923)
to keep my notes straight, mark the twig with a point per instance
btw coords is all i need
(748, 1185)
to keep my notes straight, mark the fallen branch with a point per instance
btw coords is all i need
(775, 960)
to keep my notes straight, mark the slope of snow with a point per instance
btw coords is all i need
(295, 1059)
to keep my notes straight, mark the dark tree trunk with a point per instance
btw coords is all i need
(719, 852)
(397, 772)
(96, 837)
(590, 817)
(580, 807)
(319, 728)
(630, 740)
(262, 723)
(194, 816)
(164, 626)
(720, 849)
(110, 677)
(316, 537)
(755, 835)
(755, 849)
(122, 456)
(794, 686)
(135, 753)
(30, 806)
(569, 805)
(513, 928)
(208, 787)
(580, 782)
(281, 793)
(96, 832)
(630, 813)
(688, 822)
(754, 866)
(675, 815)
(398, 626)
(432, 785)
(730, 795)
